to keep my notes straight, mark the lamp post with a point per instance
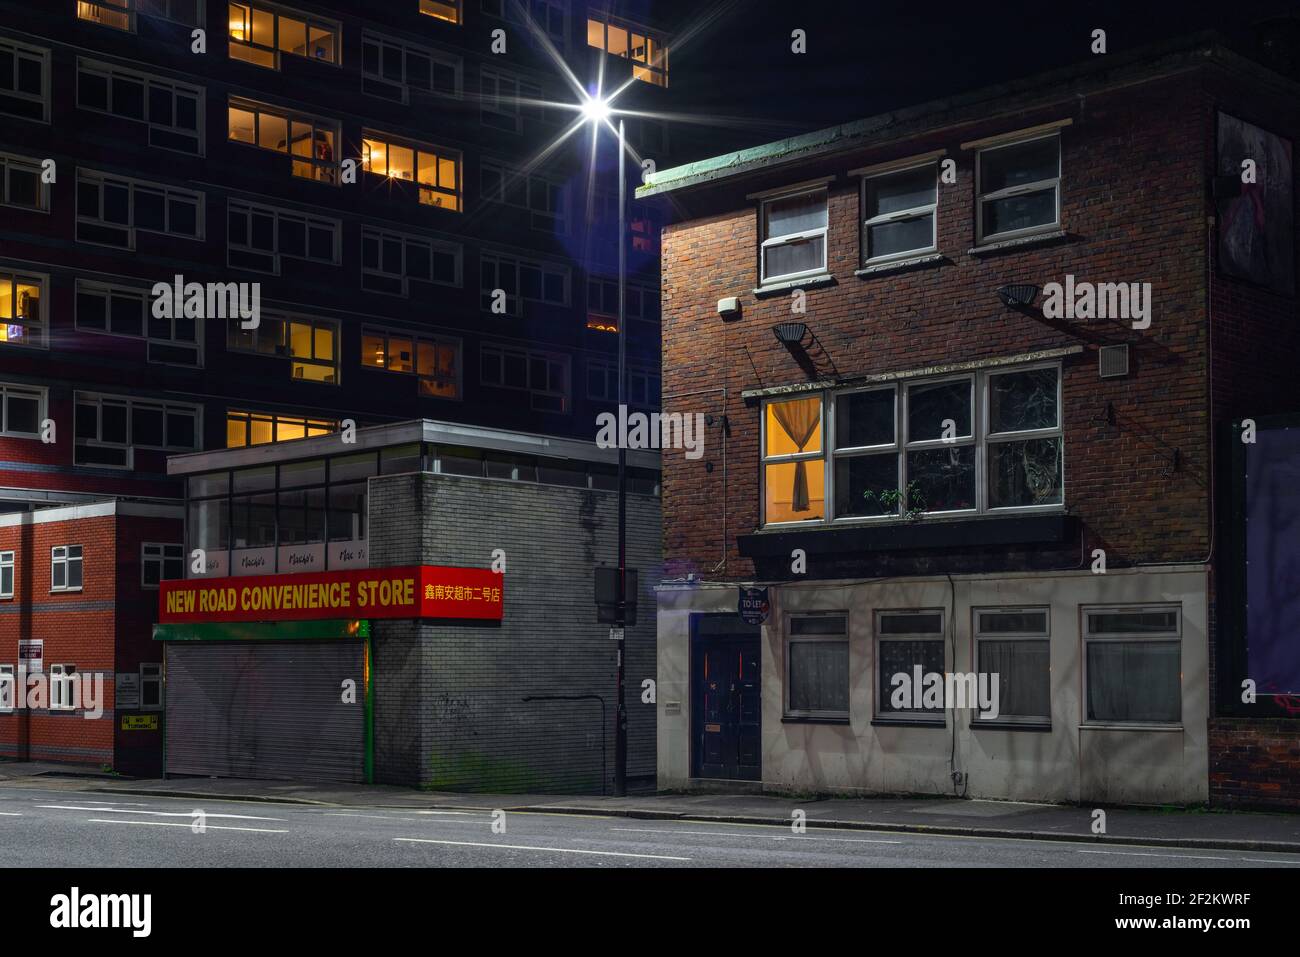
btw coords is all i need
(597, 111)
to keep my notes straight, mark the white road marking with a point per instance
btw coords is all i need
(123, 810)
(462, 813)
(208, 827)
(10, 814)
(1180, 857)
(553, 850)
(775, 837)
(396, 817)
(1267, 860)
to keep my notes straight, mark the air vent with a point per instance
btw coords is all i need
(1113, 361)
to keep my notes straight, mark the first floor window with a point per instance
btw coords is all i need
(794, 471)
(818, 675)
(151, 687)
(160, 562)
(65, 568)
(62, 687)
(909, 646)
(794, 236)
(1012, 644)
(1133, 664)
(6, 574)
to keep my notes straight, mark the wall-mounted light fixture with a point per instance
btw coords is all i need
(1018, 295)
(790, 333)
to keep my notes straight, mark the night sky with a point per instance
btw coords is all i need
(866, 57)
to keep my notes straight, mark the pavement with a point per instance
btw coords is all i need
(1176, 828)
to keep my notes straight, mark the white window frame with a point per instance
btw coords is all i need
(155, 553)
(497, 354)
(119, 7)
(61, 697)
(10, 161)
(41, 326)
(39, 393)
(496, 99)
(981, 438)
(515, 302)
(276, 11)
(151, 673)
(402, 48)
(107, 290)
(23, 51)
(659, 69)
(981, 197)
(439, 153)
(388, 334)
(133, 186)
(8, 689)
(290, 117)
(917, 212)
(148, 82)
(239, 207)
(436, 246)
(1172, 638)
(785, 239)
(8, 564)
(542, 217)
(167, 409)
(937, 718)
(791, 639)
(980, 636)
(61, 555)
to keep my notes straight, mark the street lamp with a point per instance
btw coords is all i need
(596, 110)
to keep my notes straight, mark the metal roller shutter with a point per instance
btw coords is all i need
(265, 710)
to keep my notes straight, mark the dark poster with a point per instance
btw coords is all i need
(1273, 561)
(1256, 229)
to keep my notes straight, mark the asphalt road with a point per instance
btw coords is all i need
(47, 828)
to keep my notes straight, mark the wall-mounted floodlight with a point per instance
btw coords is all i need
(1018, 296)
(790, 333)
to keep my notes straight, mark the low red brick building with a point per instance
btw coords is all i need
(79, 596)
(968, 365)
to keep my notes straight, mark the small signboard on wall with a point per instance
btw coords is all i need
(31, 654)
(753, 605)
(126, 691)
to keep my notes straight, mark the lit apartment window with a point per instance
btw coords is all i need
(502, 100)
(24, 81)
(435, 170)
(640, 305)
(794, 236)
(22, 409)
(522, 280)
(173, 112)
(311, 345)
(160, 562)
(1133, 664)
(817, 667)
(259, 34)
(151, 687)
(393, 69)
(111, 210)
(117, 14)
(545, 376)
(448, 10)
(188, 12)
(538, 193)
(110, 428)
(6, 574)
(127, 311)
(20, 184)
(1013, 643)
(648, 54)
(390, 261)
(435, 362)
(914, 448)
(904, 641)
(62, 693)
(899, 211)
(65, 568)
(260, 428)
(1018, 188)
(259, 237)
(312, 142)
(22, 322)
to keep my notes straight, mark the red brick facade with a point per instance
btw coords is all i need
(1137, 163)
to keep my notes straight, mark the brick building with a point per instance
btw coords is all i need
(133, 154)
(932, 463)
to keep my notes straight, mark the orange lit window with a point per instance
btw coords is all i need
(258, 428)
(794, 470)
(21, 319)
(434, 362)
(448, 10)
(649, 56)
(311, 142)
(109, 13)
(435, 171)
(259, 35)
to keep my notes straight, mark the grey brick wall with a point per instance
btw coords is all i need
(450, 712)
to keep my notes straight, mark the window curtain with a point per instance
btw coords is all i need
(799, 421)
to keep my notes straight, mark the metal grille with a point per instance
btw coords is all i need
(265, 710)
(1113, 361)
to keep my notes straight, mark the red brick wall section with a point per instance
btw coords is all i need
(1132, 203)
(77, 628)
